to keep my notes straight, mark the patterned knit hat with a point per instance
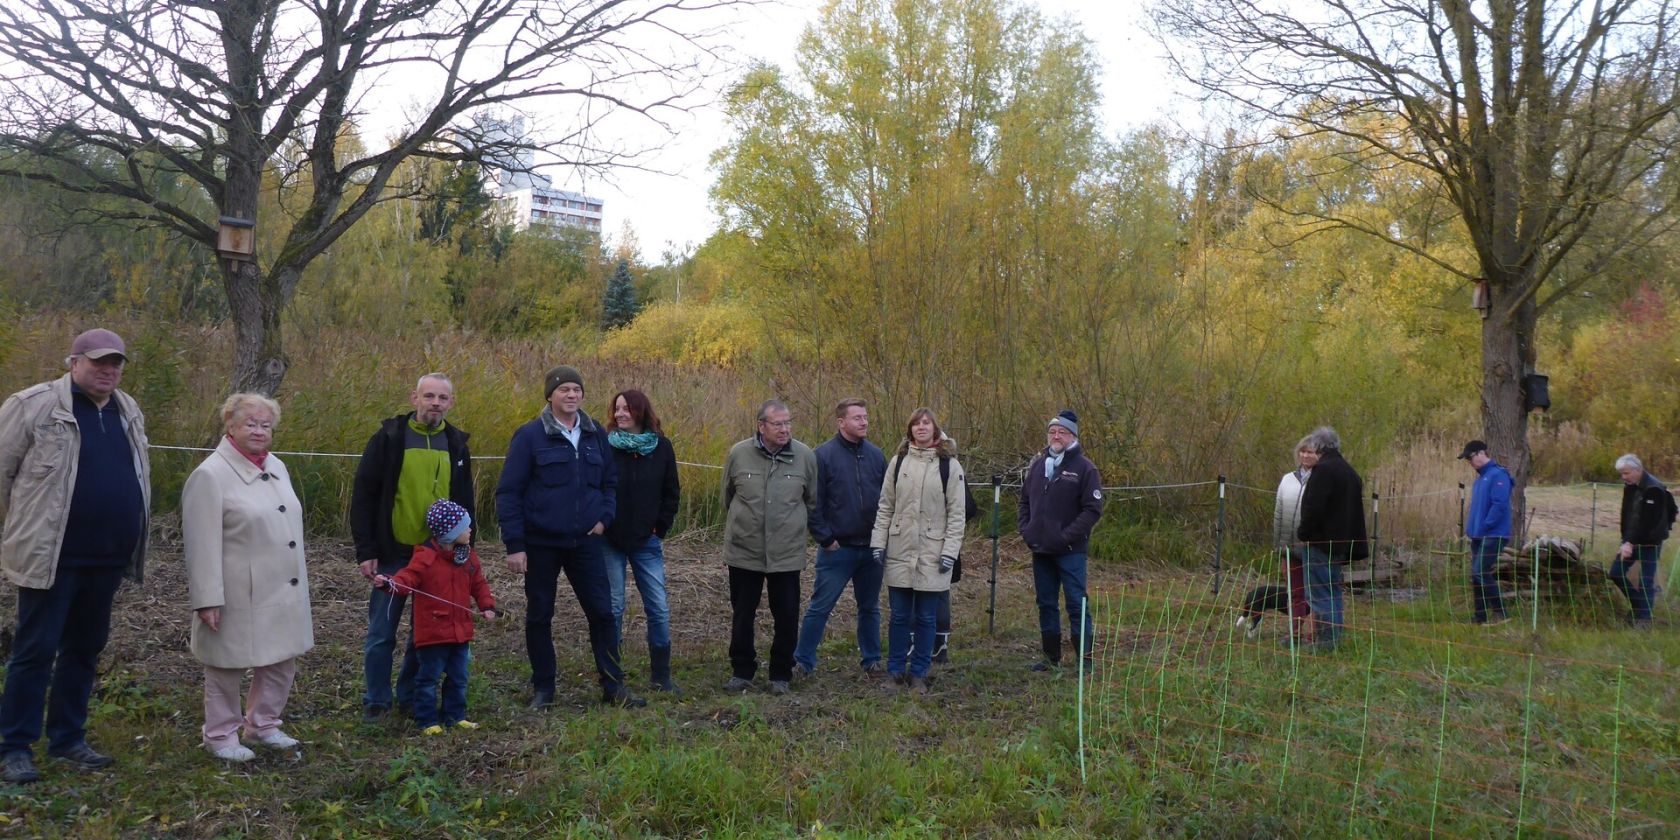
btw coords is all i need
(447, 521)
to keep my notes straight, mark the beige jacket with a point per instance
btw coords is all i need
(39, 449)
(918, 521)
(243, 529)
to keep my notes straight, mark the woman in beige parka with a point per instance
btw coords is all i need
(246, 581)
(918, 533)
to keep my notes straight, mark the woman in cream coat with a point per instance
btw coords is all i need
(918, 534)
(246, 580)
(1286, 520)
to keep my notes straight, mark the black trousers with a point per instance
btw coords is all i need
(587, 572)
(746, 589)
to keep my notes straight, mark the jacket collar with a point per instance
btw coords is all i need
(242, 466)
(785, 455)
(126, 406)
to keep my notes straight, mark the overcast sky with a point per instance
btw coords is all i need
(673, 208)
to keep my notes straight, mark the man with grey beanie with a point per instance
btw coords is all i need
(1061, 501)
(558, 494)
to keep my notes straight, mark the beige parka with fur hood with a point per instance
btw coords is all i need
(919, 521)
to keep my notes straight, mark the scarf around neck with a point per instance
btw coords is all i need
(642, 443)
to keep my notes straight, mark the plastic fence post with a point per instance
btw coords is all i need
(1616, 752)
(1364, 732)
(1161, 683)
(991, 607)
(1461, 534)
(1441, 741)
(1534, 590)
(1224, 694)
(1219, 538)
(1084, 612)
(1528, 717)
(1376, 537)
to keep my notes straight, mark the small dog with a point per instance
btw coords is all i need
(1267, 597)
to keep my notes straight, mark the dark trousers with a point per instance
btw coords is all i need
(445, 665)
(746, 588)
(1639, 597)
(1062, 574)
(385, 612)
(1484, 584)
(60, 633)
(586, 571)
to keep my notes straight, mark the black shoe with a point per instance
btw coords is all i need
(738, 684)
(541, 699)
(83, 756)
(622, 697)
(374, 713)
(780, 686)
(406, 710)
(19, 769)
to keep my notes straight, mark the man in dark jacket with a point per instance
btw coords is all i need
(850, 470)
(1647, 514)
(1488, 528)
(558, 494)
(1061, 501)
(412, 461)
(1332, 531)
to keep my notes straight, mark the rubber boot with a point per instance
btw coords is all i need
(942, 648)
(1052, 652)
(659, 662)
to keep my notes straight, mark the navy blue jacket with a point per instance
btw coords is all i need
(849, 480)
(550, 494)
(1490, 504)
(1058, 513)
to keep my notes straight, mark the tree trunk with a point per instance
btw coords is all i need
(259, 363)
(1507, 355)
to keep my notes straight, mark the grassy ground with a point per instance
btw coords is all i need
(1189, 730)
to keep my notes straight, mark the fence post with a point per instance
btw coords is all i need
(1219, 538)
(991, 608)
(1461, 513)
(1592, 534)
(1376, 533)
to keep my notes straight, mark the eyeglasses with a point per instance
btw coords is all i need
(778, 424)
(256, 425)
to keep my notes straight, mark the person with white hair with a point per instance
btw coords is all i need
(1647, 515)
(1332, 530)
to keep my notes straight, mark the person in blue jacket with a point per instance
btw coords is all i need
(557, 497)
(1488, 527)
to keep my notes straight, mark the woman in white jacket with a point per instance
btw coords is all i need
(1286, 520)
(918, 533)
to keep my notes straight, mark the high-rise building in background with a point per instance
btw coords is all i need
(528, 200)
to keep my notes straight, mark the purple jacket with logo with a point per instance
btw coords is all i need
(1057, 513)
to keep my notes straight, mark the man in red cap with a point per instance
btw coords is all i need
(75, 496)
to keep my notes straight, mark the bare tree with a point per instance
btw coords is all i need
(127, 97)
(1549, 124)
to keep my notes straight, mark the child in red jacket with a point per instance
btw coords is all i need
(445, 572)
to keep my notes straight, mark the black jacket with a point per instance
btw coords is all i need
(1058, 513)
(1333, 510)
(375, 489)
(1646, 511)
(648, 493)
(849, 480)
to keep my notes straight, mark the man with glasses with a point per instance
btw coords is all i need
(1061, 501)
(769, 503)
(75, 496)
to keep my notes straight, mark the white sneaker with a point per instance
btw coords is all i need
(232, 752)
(277, 740)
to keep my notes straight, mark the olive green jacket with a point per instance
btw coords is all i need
(770, 504)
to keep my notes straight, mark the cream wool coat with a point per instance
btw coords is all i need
(918, 521)
(243, 528)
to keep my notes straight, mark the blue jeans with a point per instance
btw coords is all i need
(1484, 587)
(582, 566)
(834, 569)
(1324, 595)
(1067, 573)
(60, 634)
(385, 612)
(912, 612)
(1640, 599)
(448, 664)
(648, 564)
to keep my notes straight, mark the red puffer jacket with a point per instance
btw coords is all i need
(433, 571)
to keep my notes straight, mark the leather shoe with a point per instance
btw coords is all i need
(737, 684)
(623, 698)
(374, 713)
(83, 756)
(541, 699)
(19, 769)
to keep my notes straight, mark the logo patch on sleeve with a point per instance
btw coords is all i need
(1096, 494)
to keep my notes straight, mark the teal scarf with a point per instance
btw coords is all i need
(642, 443)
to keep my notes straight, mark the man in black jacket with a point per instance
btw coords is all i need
(412, 461)
(1061, 501)
(1647, 514)
(1332, 531)
(850, 470)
